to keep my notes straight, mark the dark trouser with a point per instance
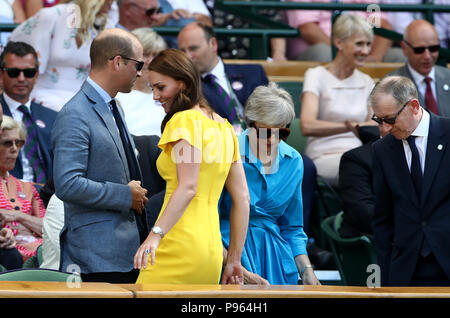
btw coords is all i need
(429, 273)
(10, 258)
(112, 277)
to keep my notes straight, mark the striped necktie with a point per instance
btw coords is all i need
(31, 146)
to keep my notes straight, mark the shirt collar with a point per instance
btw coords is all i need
(218, 71)
(104, 95)
(418, 78)
(13, 104)
(424, 125)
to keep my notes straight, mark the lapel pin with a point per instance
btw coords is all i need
(445, 87)
(40, 123)
(237, 85)
(439, 147)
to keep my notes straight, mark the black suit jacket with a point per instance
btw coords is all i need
(244, 78)
(44, 132)
(148, 153)
(401, 221)
(355, 189)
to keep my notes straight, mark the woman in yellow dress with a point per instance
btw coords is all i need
(200, 156)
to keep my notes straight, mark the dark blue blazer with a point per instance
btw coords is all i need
(47, 116)
(401, 221)
(244, 78)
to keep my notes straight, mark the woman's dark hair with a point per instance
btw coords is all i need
(177, 65)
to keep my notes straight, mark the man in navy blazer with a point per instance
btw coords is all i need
(19, 72)
(237, 80)
(96, 172)
(411, 176)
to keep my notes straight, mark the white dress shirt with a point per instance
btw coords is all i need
(421, 133)
(419, 79)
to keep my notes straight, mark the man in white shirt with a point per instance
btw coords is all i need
(411, 186)
(421, 46)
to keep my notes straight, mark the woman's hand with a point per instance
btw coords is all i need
(254, 279)
(233, 274)
(309, 278)
(7, 216)
(146, 250)
(7, 239)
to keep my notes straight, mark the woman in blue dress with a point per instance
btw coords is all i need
(275, 248)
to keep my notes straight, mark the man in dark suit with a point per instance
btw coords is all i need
(421, 46)
(96, 172)
(411, 177)
(148, 152)
(355, 184)
(19, 72)
(225, 86)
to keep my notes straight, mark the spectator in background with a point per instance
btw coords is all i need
(400, 20)
(142, 114)
(334, 98)
(19, 73)
(11, 11)
(62, 39)
(180, 13)
(31, 7)
(135, 14)
(21, 209)
(275, 248)
(314, 43)
(421, 46)
(225, 86)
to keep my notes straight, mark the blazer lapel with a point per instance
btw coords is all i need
(442, 94)
(102, 109)
(236, 82)
(436, 147)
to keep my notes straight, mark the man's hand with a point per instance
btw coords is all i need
(139, 200)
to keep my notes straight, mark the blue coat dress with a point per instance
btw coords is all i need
(275, 233)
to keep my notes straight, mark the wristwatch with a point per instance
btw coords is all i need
(158, 230)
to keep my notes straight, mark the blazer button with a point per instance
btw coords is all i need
(131, 218)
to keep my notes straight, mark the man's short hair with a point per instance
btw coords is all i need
(20, 49)
(103, 48)
(207, 30)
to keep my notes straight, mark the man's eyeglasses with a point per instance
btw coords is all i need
(15, 72)
(421, 49)
(148, 12)
(139, 64)
(9, 143)
(390, 120)
(266, 133)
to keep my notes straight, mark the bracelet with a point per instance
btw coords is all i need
(302, 271)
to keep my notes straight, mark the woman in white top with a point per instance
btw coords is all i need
(334, 98)
(62, 36)
(142, 114)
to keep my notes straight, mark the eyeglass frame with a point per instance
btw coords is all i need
(421, 49)
(25, 71)
(285, 130)
(390, 120)
(139, 64)
(11, 142)
(148, 12)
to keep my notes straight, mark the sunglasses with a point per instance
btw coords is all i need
(139, 64)
(421, 49)
(148, 12)
(390, 120)
(266, 133)
(15, 72)
(9, 143)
